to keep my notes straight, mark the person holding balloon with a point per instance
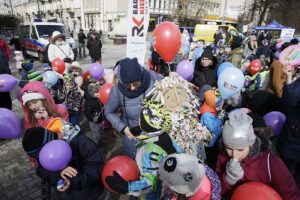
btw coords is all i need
(67, 160)
(155, 144)
(184, 176)
(133, 85)
(38, 105)
(205, 72)
(94, 111)
(72, 98)
(245, 157)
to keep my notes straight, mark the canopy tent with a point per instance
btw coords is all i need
(273, 26)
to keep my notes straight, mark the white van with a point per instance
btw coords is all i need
(35, 37)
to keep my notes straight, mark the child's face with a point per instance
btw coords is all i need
(34, 105)
(221, 50)
(96, 95)
(237, 152)
(69, 85)
(75, 72)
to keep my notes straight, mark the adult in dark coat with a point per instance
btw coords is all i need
(288, 144)
(94, 46)
(5, 100)
(205, 69)
(81, 38)
(84, 177)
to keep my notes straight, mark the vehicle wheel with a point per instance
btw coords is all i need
(41, 57)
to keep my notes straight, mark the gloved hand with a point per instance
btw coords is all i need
(234, 171)
(76, 109)
(117, 183)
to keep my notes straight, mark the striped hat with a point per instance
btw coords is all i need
(34, 75)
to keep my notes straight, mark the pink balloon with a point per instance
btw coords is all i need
(204, 192)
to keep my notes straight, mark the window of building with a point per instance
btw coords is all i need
(159, 5)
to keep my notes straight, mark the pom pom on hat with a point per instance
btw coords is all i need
(182, 173)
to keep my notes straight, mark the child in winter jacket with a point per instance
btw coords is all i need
(38, 105)
(154, 145)
(76, 71)
(29, 74)
(72, 98)
(184, 176)
(245, 157)
(94, 111)
(19, 59)
(82, 175)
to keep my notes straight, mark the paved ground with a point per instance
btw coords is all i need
(17, 175)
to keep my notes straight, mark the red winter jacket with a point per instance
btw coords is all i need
(5, 49)
(256, 169)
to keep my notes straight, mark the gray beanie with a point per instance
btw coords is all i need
(238, 130)
(182, 173)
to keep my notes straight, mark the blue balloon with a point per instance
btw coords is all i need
(230, 82)
(224, 66)
(197, 53)
(50, 78)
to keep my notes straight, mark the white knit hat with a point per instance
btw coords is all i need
(182, 173)
(28, 96)
(75, 64)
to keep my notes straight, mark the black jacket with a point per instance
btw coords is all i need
(94, 46)
(81, 37)
(92, 108)
(205, 75)
(87, 160)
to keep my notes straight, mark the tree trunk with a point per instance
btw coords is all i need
(263, 13)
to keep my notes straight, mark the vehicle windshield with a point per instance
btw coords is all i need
(47, 30)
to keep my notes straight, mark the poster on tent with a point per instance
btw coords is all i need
(138, 21)
(287, 34)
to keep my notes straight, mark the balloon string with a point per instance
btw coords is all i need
(174, 86)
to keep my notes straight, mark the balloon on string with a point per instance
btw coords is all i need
(223, 66)
(275, 120)
(7, 82)
(255, 191)
(58, 65)
(10, 124)
(104, 92)
(255, 67)
(50, 78)
(185, 69)
(230, 82)
(96, 71)
(190, 78)
(55, 155)
(124, 166)
(166, 40)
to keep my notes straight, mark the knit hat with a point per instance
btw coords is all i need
(182, 173)
(210, 98)
(155, 117)
(238, 130)
(265, 41)
(34, 75)
(75, 64)
(69, 79)
(93, 88)
(222, 47)
(207, 53)
(55, 35)
(27, 65)
(130, 70)
(203, 90)
(235, 45)
(35, 138)
(28, 96)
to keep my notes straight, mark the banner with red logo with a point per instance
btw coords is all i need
(138, 21)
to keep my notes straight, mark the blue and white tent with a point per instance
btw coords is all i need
(273, 26)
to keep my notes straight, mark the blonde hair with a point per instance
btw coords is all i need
(50, 110)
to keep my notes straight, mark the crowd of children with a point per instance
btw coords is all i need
(235, 145)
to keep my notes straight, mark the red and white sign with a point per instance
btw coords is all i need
(138, 21)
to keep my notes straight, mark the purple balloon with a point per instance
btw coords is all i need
(10, 125)
(185, 69)
(7, 82)
(190, 78)
(275, 120)
(55, 155)
(62, 105)
(96, 71)
(278, 46)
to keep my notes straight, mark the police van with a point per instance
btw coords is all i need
(35, 37)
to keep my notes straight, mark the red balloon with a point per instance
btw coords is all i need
(254, 67)
(255, 191)
(58, 65)
(104, 92)
(166, 40)
(125, 166)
